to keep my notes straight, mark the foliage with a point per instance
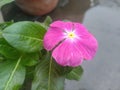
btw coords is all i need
(3, 2)
(22, 56)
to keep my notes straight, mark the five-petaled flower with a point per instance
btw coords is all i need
(70, 43)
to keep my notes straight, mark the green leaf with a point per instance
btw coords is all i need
(28, 78)
(5, 24)
(48, 76)
(48, 21)
(30, 59)
(75, 74)
(7, 50)
(25, 36)
(0, 34)
(1, 58)
(3, 2)
(12, 75)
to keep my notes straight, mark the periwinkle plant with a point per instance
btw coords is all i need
(50, 51)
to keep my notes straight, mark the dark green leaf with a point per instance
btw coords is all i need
(12, 75)
(0, 33)
(75, 74)
(28, 78)
(25, 36)
(48, 76)
(3, 2)
(5, 24)
(1, 58)
(8, 51)
(30, 59)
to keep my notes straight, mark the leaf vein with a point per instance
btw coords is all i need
(12, 74)
(25, 36)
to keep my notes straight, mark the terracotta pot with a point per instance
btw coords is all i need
(37, 7)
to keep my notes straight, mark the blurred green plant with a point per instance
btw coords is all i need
(3, 2)
(23, 59)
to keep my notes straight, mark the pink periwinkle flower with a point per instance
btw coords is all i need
(70, 43)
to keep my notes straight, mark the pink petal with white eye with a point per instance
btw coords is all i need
(63, 25)
(80, 29)
(68, 54)
(52, 37)
(88, 46)
(88, 43)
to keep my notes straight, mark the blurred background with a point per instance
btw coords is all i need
(102, 18)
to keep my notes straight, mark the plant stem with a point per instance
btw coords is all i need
(49, 78)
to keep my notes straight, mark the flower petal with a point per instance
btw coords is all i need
(80, 29)
(52, 37)
(62, 25)
(88, 46)
(68, 54)
(87, 41)
(71, 51)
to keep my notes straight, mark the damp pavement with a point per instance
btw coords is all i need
(102, 73)
(102, 20)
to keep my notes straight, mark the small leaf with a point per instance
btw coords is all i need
(12, 75)
(25, 36)
(48, 76)
(48, 21)
(75, 74)
(8, 51)
(30, 59)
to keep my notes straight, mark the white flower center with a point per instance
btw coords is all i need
(71, 35)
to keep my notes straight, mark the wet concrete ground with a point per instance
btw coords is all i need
(103, 20)
(103, 73)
